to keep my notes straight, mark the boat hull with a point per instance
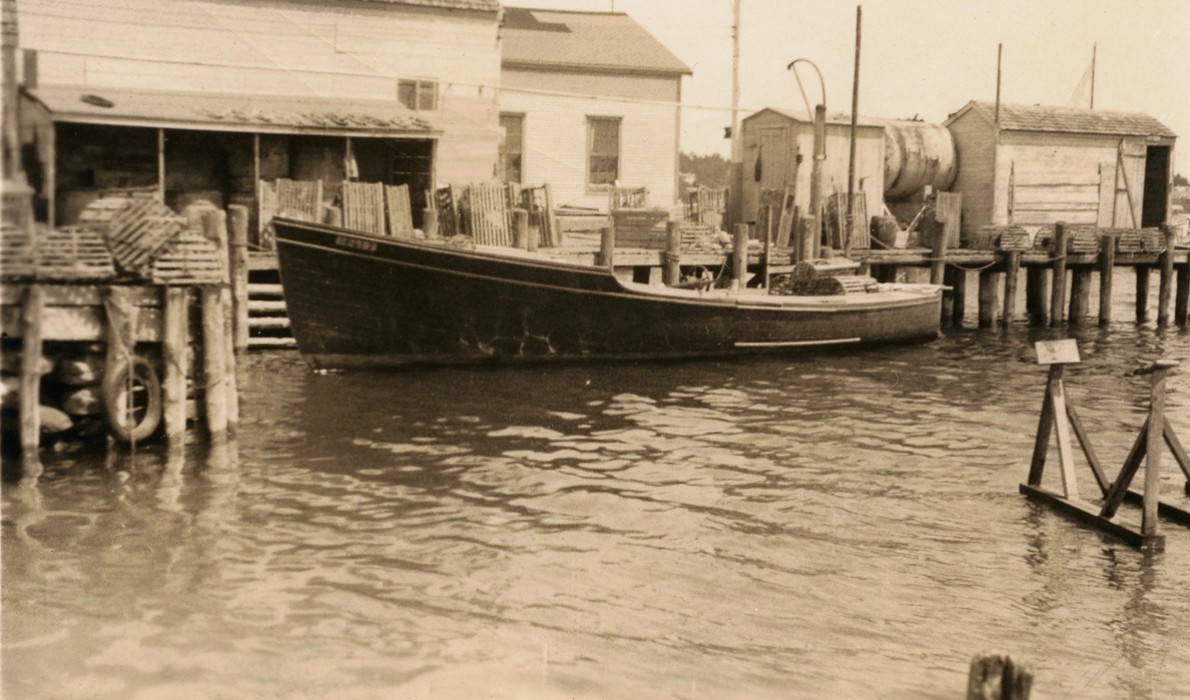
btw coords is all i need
(356, 300)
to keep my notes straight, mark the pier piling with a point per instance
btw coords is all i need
(1058, 291)
(1165, 284)
(1182, 297)
(174, 343)
(30, 386)
(1012, 271)
(1107, 263)
(237, 217)
(1080, 294)
(988, 289)
(1142, 293)
(1037, 295)
(671, 273)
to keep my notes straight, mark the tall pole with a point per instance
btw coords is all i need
(1094, 51)
(859, 14)
(999, 55)
(8, 52)
(737, 149)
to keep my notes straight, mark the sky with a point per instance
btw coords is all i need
(924, 58)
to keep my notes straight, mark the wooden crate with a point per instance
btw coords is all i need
(363, 207)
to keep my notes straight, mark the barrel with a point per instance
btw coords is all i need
(916, 154)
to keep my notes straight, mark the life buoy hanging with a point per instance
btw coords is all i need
(132, 402)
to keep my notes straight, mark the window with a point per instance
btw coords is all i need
(421, 95)
(603, 151)
(512, 147)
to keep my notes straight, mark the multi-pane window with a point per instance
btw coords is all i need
(421, 95)
(603, 151)
(512, 147)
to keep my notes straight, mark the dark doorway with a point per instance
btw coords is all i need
(1156, 199)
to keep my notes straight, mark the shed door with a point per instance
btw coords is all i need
(1156, 198)
(773, 167)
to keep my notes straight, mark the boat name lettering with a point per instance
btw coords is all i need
(355, 243)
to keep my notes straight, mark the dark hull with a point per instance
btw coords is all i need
(356, 300)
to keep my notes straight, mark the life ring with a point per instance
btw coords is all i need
(132, 403)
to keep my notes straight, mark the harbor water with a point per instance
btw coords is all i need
(842, 525)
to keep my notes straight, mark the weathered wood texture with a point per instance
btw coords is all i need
(363, 207)
(399, 211)
(294, 199)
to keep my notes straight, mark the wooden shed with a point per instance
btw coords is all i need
(1037, 165)
(779, 150)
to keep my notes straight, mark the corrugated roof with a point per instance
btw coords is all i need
(1015, 117)
(229, 112)
(603, 41)
(480, 5)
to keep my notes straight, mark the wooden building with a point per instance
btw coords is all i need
(778, 151)
(588, 99)
(205, 98)
(1037, 165)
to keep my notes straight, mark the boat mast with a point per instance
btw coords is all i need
(850, 228)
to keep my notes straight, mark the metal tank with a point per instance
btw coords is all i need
(916, 154)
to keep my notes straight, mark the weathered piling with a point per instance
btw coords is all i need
(988, 289)
(429, 223)
(1058, 292)
(1165, 283)
(672, 272)
(214, 331)
(237, 216)
(1182, 297)
(607, 246)
(958, 294)
(1012, 272)
(175, 339)
(739, 256)
(1080, 294)
(1142, 293)
(1107, 264)
(1154, 442)
(938, 255)
(30, 381)
(520, 229)
(1037, 295)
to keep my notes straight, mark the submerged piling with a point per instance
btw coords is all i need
(1165, 284)
(1107, 264)
(30, 382)
(1058, 292)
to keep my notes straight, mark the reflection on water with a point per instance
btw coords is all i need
(825, 526)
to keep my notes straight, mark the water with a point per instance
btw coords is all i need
(840, 526)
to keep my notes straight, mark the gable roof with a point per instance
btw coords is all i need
(605, 42)
(1067, 120)
(832, 119)
(476, 5)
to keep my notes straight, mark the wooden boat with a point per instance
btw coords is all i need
(359, 300)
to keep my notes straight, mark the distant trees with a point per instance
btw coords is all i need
(708, 171)
(1179, 180)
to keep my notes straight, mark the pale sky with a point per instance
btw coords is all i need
(921, 57)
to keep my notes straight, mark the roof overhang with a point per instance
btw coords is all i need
(255, 114)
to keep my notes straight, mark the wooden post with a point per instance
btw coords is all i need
(520, 229)
(237, 216)
(998, 678)
(1012, 271)
(938, 255)
(429, 223)
(607, 246)
(988, 281)
(1107, 265)
(1080, 294)
(30, 386)
(174, 347)
(214, 362)
(956, 279)
(739, 256)
(1153, 445)
(1058, 293)
(810, 233)
(1165, 284)
(1182, 297)
(672, 271)
(1142, 294)
(1037, 295)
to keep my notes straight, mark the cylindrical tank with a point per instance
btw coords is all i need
(916, 154)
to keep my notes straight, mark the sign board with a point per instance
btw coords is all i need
(1057, 352)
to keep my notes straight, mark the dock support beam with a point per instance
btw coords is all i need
(174, 346)
(1080, 294)
(1037, 295)
(30, 386)
(1012, 272)
(988, 282)
(1165, 287)
(739, 256)
(1058, 293)
(1107, 265)
(672, 272)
